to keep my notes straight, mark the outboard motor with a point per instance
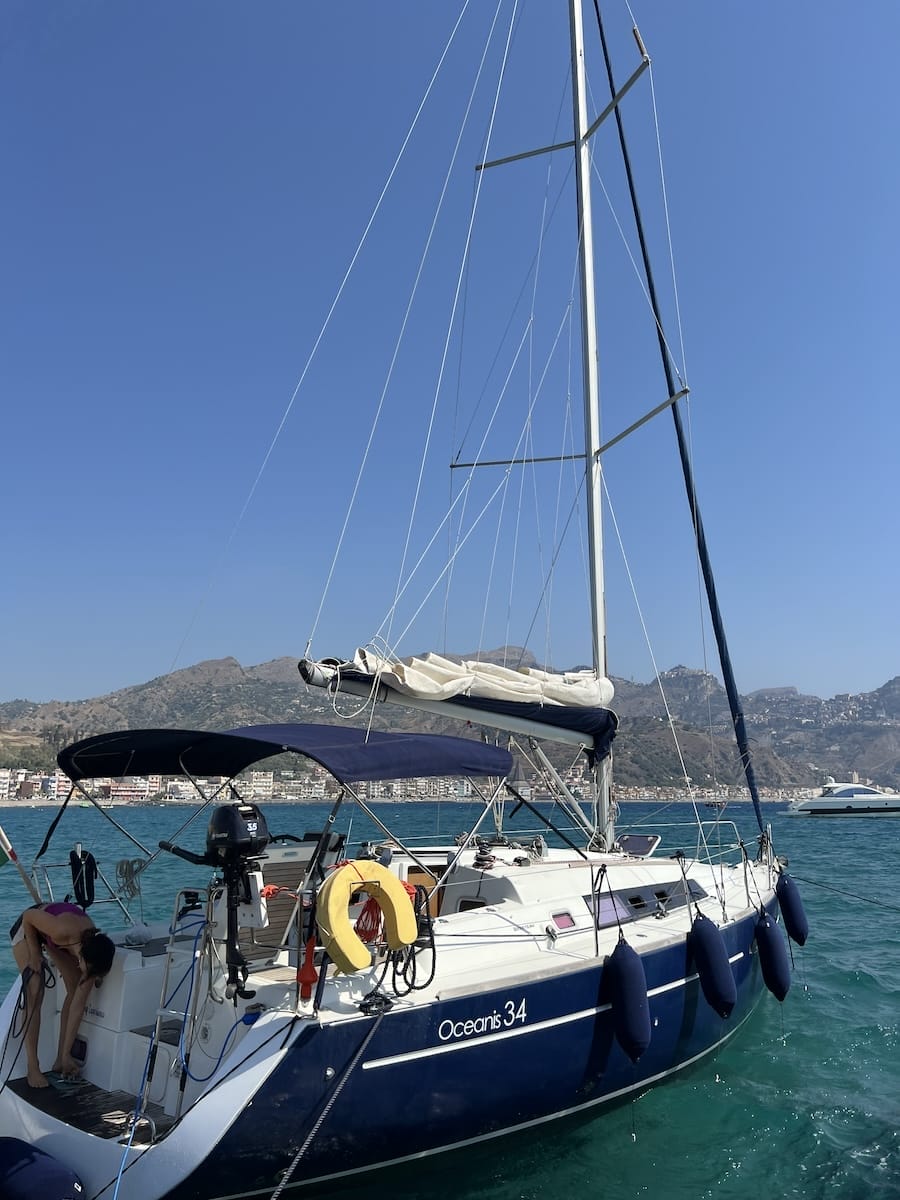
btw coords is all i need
(237, 834)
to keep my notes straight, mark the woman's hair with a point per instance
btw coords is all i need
(98, 952)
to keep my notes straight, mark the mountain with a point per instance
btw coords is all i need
(797, 739)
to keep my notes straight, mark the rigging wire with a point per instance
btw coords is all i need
(522, 440)
(386, 627)
(734, 699)
(662, 691)
(543, 226)
(501, 488)
(385, 630)
(314, 351)
(680, 372)
(384, 190)
(676, 303)
(461, 275)
(520, 449)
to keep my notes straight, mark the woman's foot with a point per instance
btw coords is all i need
(37, 1079)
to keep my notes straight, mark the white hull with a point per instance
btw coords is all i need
(845, 810)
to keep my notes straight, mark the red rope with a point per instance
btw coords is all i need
(368, 923)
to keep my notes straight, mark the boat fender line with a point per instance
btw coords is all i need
(627, 991)
(792, 911)
(341, 942)
(27, 1172)
(707, 949)
(773, 957)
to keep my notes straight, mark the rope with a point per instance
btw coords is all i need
(48, 980)
(285, 1179)
(749, 876)
(128, 871)
(852, 895)
(405, 962)
(368, 923)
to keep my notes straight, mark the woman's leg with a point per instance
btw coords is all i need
(72, 1009)
(33, 984)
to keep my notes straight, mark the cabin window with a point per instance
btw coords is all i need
(563, 920)
(466, 905)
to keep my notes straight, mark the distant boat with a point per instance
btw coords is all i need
(847, 800)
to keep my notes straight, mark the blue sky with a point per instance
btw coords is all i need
(183, 187)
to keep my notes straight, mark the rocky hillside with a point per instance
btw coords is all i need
(797, 739)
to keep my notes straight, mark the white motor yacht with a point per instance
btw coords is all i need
(848, 800)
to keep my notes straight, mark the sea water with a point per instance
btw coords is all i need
(803, 1102)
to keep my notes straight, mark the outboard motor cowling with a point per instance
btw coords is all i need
(235, 833)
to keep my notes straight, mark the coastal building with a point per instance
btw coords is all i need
(17, 784)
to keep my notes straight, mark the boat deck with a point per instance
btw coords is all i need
(91, 1109)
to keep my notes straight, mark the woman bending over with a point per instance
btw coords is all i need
(83, 957)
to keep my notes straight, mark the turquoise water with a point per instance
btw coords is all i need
(804, 1102)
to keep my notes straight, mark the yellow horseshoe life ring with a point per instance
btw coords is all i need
(339, 938)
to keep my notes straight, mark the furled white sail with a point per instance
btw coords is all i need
(433, 677)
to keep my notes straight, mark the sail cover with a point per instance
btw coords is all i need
(349, 754)
(574, 702)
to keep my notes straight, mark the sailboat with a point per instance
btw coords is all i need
(317, 1012)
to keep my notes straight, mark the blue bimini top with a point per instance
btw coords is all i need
(349, 754)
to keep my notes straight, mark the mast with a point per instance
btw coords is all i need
(604, 825)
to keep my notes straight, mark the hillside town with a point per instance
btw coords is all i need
(23, 787)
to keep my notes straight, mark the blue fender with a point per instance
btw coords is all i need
(627, 990)
(707, 949)
(792, 911)
(27, 1173)
(773, 957)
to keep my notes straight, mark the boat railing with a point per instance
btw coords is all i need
(56, 881)
(713, 841)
